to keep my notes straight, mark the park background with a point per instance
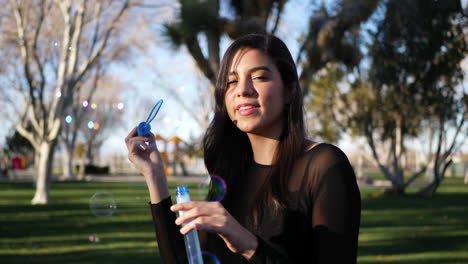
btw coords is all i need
(383, 80)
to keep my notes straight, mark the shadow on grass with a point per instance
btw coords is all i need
(66, 219)
(101, 256)
(396, 226)
(414, 245)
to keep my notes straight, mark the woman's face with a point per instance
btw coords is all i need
(255, 95)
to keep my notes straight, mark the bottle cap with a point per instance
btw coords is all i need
(143, 129)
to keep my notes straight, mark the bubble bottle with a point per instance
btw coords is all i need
(192, 243)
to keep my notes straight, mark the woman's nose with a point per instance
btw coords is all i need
(245, 88)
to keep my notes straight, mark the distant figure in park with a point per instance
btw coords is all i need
(289, 199)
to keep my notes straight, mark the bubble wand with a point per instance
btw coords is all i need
(144, 128)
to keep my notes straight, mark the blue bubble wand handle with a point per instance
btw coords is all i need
(144, 128)
(192, 243)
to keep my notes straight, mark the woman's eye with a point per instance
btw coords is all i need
(259, 78)
(229, 83)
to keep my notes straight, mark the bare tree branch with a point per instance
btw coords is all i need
(196, 52)
(279, 11)
(91, 60)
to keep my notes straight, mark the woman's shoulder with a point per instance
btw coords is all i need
(318, 162)
(324, 153)
(323, 161)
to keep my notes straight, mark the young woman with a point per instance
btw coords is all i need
(288, 200)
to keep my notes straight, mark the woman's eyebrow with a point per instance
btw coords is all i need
(254, 69)
(259, 68)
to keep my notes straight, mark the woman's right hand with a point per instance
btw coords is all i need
(144, 154)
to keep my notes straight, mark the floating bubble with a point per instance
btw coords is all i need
(85, 103)
(96, 126)
(58, 94)
(102, 204)
(68, 119)
(90, 124)
(56, 44)
(218, 188)
(93, 105)
(210, 258)
(93, 238)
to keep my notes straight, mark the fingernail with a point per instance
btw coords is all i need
(172, 208)
(142, 147)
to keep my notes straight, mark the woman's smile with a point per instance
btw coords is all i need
(247, 109)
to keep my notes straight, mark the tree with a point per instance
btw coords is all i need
(15, 145)
(325, 40)
(104, 116)
(75, 119)
(411, 88)
(51, 46)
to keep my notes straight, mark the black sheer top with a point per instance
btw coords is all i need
(319, 222)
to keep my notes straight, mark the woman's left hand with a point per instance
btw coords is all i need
(214, 218)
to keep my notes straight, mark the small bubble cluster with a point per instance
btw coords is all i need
(93, 238)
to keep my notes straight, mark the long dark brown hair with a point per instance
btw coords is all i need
(227, 150)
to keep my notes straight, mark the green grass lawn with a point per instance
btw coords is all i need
(393, 229)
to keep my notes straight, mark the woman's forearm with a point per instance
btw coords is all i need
(157, 185)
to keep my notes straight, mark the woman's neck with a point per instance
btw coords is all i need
(263, 148)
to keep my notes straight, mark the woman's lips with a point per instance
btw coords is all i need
(246, 110)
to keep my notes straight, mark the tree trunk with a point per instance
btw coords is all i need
(359, 172)
(44, 172)
(67, 163)
(81, 169)
(83, 162)
(466, 175)
(37, 158)
(395, 189)
(429, 190)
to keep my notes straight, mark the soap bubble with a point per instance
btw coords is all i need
(93, 238)
(102, 204)
(218, 188)
(210, 258)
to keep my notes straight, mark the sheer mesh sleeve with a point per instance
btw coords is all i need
(336, 210)
(170, 240)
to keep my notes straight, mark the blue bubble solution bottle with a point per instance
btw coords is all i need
(192, 243)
